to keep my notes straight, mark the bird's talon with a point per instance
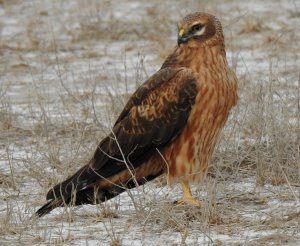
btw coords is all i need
(193, 202)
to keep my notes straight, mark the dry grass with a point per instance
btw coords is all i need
(67, 69)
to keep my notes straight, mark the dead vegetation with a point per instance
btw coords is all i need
(67, 68)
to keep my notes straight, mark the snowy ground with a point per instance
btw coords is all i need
(66, 70)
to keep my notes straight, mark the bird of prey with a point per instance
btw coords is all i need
(169, 125)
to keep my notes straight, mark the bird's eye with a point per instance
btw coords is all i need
(197, 28)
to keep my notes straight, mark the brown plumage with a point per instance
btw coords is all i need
(169, 125)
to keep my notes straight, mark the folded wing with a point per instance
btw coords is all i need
(153, 117)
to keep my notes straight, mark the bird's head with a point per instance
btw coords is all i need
(198, 29)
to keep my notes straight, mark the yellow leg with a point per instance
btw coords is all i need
(187, 195)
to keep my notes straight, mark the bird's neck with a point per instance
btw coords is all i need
(196, 58)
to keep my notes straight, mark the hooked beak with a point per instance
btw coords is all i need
(181, 40)
(181, 37)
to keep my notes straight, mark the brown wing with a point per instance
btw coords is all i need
(152, 118)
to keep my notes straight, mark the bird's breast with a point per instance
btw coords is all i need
(189, 154)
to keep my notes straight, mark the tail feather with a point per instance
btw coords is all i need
(85, 186)
(87, 196)
(48, 207)
(92, 195)
(76, 182)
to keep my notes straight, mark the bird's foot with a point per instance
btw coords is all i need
(189, 201)
(187, 195)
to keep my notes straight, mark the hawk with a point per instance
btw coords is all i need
(169, 125)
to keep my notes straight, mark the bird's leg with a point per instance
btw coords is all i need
(187, 195)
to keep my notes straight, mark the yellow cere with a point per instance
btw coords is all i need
(181, 32)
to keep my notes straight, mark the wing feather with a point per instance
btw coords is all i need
(153, 117)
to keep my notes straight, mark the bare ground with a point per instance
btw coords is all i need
(66, 70)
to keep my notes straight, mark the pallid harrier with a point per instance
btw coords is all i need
(169, 125)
